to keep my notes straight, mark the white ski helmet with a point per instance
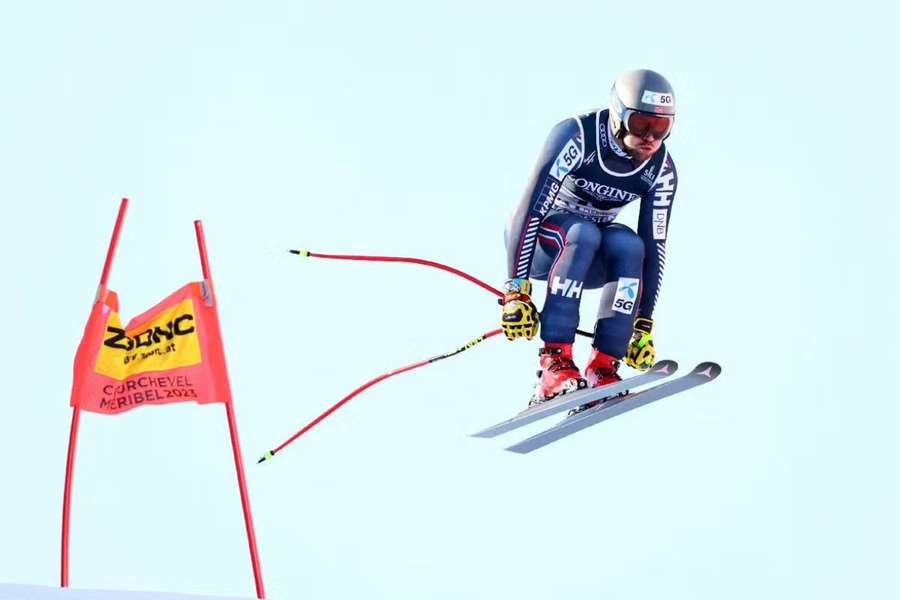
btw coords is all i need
(645, 93)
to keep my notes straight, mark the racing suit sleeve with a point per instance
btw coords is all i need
(562, 152)
(653, 228)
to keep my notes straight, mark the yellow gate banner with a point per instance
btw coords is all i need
(170, 353)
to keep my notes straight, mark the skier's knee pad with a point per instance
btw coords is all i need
(621, 243)
(585, 235)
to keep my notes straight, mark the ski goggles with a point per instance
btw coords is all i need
(645, 125)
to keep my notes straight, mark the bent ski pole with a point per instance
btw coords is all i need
(270, 454)
(404, 259)
(417, 261)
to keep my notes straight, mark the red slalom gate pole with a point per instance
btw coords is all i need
(271, 453)
(232, 428)
(76, 412)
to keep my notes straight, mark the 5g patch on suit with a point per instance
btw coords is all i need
(566, 160)
(626, 295)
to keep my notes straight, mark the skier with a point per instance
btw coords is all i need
(562, 232)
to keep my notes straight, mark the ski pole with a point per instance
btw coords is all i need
(418, 261)
(404, 259)
(271, 453)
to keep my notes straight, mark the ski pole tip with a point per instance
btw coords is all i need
(265, 457)
(302, 252)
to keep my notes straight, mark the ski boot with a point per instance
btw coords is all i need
(602, 369)
(558, 374)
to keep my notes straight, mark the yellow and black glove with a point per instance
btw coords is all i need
(641, 354)
(520, 316)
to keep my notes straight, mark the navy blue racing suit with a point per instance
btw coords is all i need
(563, 232)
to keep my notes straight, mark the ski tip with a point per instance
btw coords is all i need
(665, 366)
(301, 252)
(265, 457)
(708, 368)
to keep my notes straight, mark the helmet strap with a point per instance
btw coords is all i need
(618, 133)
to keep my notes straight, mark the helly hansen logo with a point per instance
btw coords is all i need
(626, 294)
(566, 287)
(664, 187)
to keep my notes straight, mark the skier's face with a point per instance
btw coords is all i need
(645, 132)
(641, 148)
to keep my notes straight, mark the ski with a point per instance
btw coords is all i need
(663, 368)
(702, 373)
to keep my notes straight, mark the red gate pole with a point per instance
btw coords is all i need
(232, 426)
(76, 412)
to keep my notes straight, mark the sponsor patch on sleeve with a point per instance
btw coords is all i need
(566, 160)
(659, 223)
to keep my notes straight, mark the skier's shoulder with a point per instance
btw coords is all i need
(576, 127)
(660, 173)
(668, 164)
(568, 128)
(593, 114)
(666, 156)
(566, 141)
(582, 119)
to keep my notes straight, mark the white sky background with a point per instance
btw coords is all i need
(410, 129)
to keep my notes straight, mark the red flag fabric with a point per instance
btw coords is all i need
(170, 353)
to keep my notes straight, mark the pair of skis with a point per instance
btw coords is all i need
(615, 400)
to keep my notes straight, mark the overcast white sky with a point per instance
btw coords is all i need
(410, 128)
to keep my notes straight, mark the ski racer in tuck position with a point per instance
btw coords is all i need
(563, 232)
